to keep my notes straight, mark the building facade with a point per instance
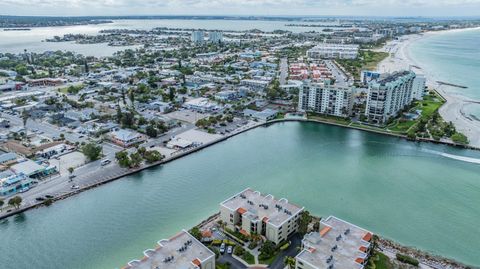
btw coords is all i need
(326, 99)
(388, 96)
(250, 212)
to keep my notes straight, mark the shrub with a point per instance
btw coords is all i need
(284, 246)
(239, 251)
(407, 259)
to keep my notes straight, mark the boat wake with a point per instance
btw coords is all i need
(455, 157)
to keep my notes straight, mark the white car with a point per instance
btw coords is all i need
(75, 187)
(229, 249)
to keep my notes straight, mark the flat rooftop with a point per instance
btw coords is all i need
(258, 206)
(339, 243)
(182, 251)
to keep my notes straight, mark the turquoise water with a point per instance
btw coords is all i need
(453, 57)
(402, 190)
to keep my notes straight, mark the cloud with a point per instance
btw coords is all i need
(268, 7)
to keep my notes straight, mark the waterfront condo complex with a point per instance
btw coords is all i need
(326, 99)
(332, 51)
(391, 93)
(250, 212)
(338, 244)
(182, 251)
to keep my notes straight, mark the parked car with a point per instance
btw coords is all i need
(75, 187)
(222, 248)
(229, 249)
(105, 162)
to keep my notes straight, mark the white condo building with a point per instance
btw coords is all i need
(338, 244)
(326, 99)
(215, 37)
(198, 37)
(250, 212)
(181, 251)
(419, 87)
(387, 96)
(333, 51)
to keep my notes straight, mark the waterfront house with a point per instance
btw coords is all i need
(250, 212)
(338, 244)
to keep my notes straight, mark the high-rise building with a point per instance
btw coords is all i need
(198, 37)
(326, 99)
(215, 37)
(389, 95)
(419, 87)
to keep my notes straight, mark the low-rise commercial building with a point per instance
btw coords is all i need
(201, 105)
(338, 244)
(11, 183)
(250, 212)
(326, 99)
(126, 138)
(183, 251)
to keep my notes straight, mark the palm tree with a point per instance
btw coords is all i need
(25, 117)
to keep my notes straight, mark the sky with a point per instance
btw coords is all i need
(242, 7)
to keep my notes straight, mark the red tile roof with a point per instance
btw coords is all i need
(325, 230)
(359, 260)
(241, 210)
(363, 249)
(367, 237)
(197, 262)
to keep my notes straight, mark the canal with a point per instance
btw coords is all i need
(402, 190)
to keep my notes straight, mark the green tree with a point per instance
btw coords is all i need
(151, 131)
(304, 221)
(15, 201)
(152, 156)
(122, 158)
(1, 204)
(135, 159)
(289, 261)
(459, 138)
(92, 151)
(195, 232)
(70, 170)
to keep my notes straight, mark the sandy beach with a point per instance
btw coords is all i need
(400, 59)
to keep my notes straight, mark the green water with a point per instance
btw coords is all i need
(402, 190)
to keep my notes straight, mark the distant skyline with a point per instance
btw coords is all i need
(242, 7)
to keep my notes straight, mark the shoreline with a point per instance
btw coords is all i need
(401, 58)
(199, 148)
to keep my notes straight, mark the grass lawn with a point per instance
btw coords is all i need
(269, 260)
(248, 257)
(367, 60)
(401, 127)
(381, 261)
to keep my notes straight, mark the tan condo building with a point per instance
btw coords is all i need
(250, 212)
